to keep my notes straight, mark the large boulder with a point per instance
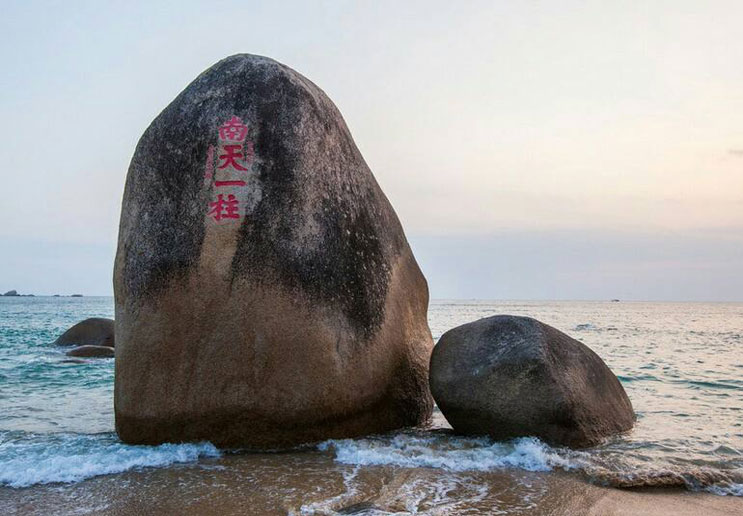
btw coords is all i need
(265, 293)
(91, 352)
(95, 331)
(508, 376)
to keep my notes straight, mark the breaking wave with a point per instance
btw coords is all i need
(452, 453)
(462, 454)
(28, 459)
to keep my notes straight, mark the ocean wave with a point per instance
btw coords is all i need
(711, 384)
(28, 459)
(452, 453)
(637, 378)
(699, 479)
(477, 454)
(726, 489)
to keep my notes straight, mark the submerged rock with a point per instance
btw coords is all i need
(91, 352)
(508, 376)
(266, 295)
(95, 331)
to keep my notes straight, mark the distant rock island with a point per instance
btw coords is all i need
(14, 293)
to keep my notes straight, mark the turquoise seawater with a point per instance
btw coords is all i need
(681, 364)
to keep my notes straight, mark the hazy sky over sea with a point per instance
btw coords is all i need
(561, 149)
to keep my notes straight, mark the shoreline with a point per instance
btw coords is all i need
(314, 483)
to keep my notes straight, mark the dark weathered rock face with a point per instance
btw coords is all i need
(265, 292)
(11, 293)
(508, 376)
(96, 331)
(91, 352)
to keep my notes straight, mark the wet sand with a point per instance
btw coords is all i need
(311, 482)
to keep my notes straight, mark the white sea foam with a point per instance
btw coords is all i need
(462, 454)
(31, 460)
(451, 453)
(328, 506)
(733, 487)
(442, 493)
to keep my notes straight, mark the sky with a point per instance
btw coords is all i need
(532, 150)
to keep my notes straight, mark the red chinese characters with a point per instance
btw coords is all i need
(233, 130)
(230, 157)
(221, 209)
(234, 155)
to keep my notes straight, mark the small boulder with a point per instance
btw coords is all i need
(508, 376)
(91, 352)
(96, 331)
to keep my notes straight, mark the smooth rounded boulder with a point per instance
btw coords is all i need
(95, 331)
(265, 292)
(507, 376)
(91, 352)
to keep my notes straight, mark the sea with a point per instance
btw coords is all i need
(680, 363)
